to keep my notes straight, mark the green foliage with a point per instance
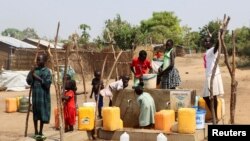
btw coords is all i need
(84, 38)
(243, 41)
(30, 33)
(211, 28)
(12, 32)
(118, 32)
(161, 26)
(195, 40)
(99, 42)
(15, 33)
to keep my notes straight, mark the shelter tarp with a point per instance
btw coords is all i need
(14, 80)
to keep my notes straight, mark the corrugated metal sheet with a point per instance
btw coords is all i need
(45, 43)
(15, 42)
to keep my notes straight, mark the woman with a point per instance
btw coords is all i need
(168, 75)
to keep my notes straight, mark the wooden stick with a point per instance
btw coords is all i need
(111, 42)
(65, 68)
(118, 56)
(234, 84)
(221, 35)
(60, 106)
(80, 62)
(97, 101)
(28, 113)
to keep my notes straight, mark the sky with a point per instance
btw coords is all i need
(43, 15)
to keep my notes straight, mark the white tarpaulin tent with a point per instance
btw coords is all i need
(14, 80)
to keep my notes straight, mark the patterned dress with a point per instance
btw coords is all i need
(171, 78)
(41, 104)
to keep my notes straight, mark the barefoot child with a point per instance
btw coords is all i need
(115, 86)
(96, 83)
(69, 106)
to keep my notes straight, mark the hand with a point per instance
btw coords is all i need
(90, 97)
(160, 70)
(32, 69)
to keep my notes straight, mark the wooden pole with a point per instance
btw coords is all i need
(234, 84)
(28, 113)
(221, 34)
(118, 56)
(111, 42)
(60, 106)
(65, 67)
(97, 101)
(80, 62)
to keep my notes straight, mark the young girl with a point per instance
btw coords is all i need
(168, 75)
(69, 106)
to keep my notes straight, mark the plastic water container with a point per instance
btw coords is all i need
(24, 104)
(149, 80)
(186, 120)
(11, 105)
(200, 118)
(56, 117)
(18, 102)
(111, 118)
(208, 116)
(86, 118)
(124, 137)
(161, 137)
(164, 120)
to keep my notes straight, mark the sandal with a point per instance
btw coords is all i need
(35, 136)
(43, 137)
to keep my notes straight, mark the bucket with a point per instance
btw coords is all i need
(200, 118)
(149, 81)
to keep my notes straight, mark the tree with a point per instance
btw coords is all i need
(84, 38)
(12, 32)
(161, 26)
(30, 33)
(119, 32)
(194, 40)
(15, 33)
(243, 41)
(211, 29)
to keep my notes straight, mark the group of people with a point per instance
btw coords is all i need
(40, 79)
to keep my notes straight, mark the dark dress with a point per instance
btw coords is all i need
(41, 104)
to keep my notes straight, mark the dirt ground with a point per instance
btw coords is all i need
(191, 70)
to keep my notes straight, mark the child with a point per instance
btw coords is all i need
(69, 105)
(139, 66)
(168, 75)
(68, 77)
(97, 84)
(39, 78)
(115, 86)
(147, 108)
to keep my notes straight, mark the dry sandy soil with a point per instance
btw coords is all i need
(191, 69)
